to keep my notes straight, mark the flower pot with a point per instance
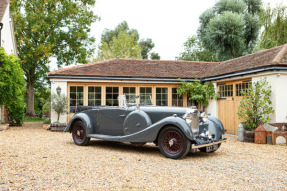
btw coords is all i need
(46, 126)
(249, 136)
(4, 126)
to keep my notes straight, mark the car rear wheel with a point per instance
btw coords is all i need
(79, 134)
(173, 143)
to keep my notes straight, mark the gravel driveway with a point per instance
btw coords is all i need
(32, 158)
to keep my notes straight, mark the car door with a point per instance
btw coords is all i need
(111, 120)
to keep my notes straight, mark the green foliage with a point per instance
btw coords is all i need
(123, 45)
(274, 22)
(194, 51)
(201, 93)
(255, 106)
(33, 119)
(51, 28)
(154, 56)
(11, 87)
(47, 121)
(123, 42)
(59, 104)
(42, 101)
(230, 28)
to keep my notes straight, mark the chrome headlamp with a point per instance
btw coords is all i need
(204, 117)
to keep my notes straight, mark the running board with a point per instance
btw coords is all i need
(194, 146)
(105, 137)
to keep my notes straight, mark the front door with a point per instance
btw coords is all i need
(230, 96)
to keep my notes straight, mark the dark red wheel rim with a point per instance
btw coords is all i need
(172, 142)
(80, 132)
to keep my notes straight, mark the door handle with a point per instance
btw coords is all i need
(123, 115)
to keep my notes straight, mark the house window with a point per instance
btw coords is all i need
(94, 96)
(76, 97)
(112, 94)
(130, 93)
(241, 87)
(176, 99)
(226, 90)
(161, 96)
(145, 95)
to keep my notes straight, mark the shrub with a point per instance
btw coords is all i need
(59, 104)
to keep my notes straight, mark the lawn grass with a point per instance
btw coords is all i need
(33, 119)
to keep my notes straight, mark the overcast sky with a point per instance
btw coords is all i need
(167, 22)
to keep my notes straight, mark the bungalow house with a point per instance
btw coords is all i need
(100, 83)
(7, 39)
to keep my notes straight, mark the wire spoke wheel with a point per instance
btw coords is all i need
(173, 143)
(79, 134)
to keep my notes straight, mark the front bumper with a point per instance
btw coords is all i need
(196, 146)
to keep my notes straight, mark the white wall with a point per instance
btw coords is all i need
(7, 34)
(212, 105)
(278, 83)
(63, 86)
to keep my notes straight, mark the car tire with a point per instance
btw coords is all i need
(79, 134)
(173, 143)
(204, 149)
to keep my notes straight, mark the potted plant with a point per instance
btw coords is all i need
(4, 126)
(46, 123)
(254, 107)
(59, 105)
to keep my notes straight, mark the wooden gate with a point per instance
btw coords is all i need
(228, 101)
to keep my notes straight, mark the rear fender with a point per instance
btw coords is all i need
(82, 117)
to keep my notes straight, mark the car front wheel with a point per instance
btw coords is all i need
(173, 143)
(79, 134)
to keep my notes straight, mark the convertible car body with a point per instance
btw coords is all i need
(175, 130)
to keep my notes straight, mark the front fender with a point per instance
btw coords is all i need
(150, 133)
(84, 118)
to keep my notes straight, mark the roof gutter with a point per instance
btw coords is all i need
(245, 73)
(119, 78)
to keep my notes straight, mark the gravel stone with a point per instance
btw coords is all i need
(32, 158)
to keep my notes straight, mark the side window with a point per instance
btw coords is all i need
(112, 94)
(176, 99)
(130, 93)
(145, 94)
(241, 87)
(76, 97)
(161, 96)
(94, 96)
(225, 90)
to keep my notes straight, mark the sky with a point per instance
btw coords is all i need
(167, 22)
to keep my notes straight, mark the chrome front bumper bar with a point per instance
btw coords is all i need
(194, 146)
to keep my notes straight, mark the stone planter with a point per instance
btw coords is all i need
(46, 126)
(241, 131)
(57, 127)
(249, 136)
(4, 126)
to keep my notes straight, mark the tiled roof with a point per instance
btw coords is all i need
(3, 6)
(176, 69)
(269, 57)
(138, 68)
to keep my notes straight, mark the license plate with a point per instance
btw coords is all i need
(211, 148)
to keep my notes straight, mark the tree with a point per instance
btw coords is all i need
(194, 51)
(59, 104)
(230, 28)
(255, 106)
(12, 85)
(123, 46)
(106, 47)
(51, 28)
(274, 22)
(155, 56)
(201, 93)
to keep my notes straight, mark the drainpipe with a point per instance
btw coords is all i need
(1, 27)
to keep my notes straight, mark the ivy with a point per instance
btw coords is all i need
(11, 87)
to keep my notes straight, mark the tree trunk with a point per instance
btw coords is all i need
(30, 112)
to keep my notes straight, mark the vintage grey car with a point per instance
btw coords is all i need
(176, 130)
